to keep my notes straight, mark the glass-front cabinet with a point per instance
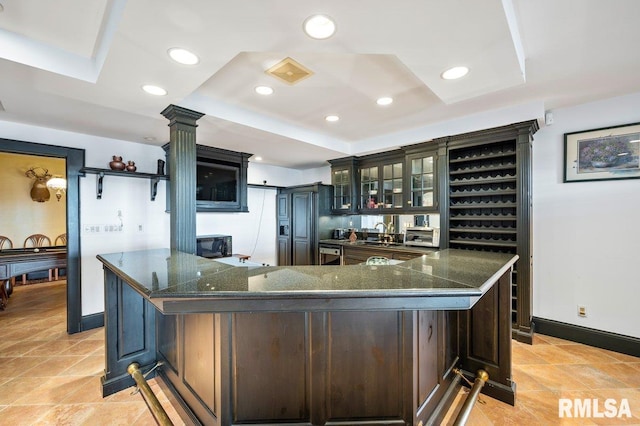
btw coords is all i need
(369, 187)
(402, 180)
(392, 185)
(381, 182)
(345, 187)
(422, 181)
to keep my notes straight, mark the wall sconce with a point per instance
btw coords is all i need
(39, 190)
(59, 185)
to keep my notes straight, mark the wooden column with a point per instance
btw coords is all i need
(182, 167)
(523, 329)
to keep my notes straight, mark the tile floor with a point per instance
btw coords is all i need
(50, 378)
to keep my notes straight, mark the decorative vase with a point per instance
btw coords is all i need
(117, 163)
(160, 167)
(131, 166)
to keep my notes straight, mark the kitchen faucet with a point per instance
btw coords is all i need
(384, 227)
(385, 236)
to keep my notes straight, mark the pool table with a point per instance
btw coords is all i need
(18, 261)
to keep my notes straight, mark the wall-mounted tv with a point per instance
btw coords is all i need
(221, 179)
(217, 182)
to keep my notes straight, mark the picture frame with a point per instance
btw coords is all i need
(608, 153)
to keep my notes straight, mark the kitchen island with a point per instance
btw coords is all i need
(310, 344)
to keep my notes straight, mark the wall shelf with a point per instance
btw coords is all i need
(101, 173)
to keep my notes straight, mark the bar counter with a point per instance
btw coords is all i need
(310, 344)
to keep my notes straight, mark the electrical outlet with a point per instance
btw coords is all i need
(582, 311)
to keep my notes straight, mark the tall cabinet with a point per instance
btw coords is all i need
(304, 218)
(488, 205)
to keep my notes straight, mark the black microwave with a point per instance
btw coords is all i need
(212, 246)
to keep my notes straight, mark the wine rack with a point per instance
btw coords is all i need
(483, 201)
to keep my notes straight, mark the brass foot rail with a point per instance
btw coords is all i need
(481, 377)
(154, 405)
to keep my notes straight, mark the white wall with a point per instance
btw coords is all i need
(253, 233)
(586, 235)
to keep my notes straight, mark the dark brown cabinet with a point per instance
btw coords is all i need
(421, 183)
(304, 218)
(357, 254)
(399, 181)
(488, 205)
(345, 179)
(382, 182)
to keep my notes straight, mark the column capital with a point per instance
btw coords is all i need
(176, 114)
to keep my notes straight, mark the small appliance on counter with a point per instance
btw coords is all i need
(422, 236)
(213, 246)
(340, 234)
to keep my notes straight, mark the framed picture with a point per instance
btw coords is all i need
(602, 154)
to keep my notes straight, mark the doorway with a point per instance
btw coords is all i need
(74, 162)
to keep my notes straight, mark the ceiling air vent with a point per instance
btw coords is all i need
(289, 71)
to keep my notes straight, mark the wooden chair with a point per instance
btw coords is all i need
(36, 240)
(61, 240)
(6, 243)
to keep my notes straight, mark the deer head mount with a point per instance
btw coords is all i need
(39, 190)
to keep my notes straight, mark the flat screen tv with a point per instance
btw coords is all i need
(221, 179)
(217, 184)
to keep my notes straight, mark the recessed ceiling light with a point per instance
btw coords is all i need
(149, 138)
(384, 101)
(264, 90)
(319, 27)
(332, 118)
(257, 158)
(455, 72)
(154, 90)
(183, 56)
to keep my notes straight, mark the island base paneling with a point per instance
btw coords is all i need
(279, 358)
(378, 367)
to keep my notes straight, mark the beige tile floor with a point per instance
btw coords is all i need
(48, 377)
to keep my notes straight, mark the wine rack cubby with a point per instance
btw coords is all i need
(488, 204)
(483, 201)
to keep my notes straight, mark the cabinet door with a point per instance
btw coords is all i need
(284, 252)
(392, 191)
(382, 185)
(342, 189)
(369, 187)
(302, 230)
(421, 182)
(284, 229)
(427, 339)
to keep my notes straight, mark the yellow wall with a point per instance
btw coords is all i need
(19, 215)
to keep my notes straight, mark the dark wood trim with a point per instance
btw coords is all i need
(75, 162)
(589, 336)
(92, 321)
(264, 186)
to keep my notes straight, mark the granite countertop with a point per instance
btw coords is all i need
(180, 282)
